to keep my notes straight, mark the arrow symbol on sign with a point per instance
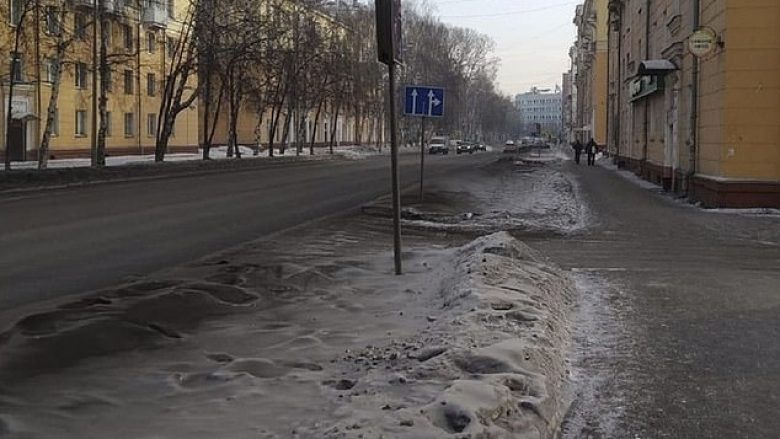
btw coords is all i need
(432, 102)
(414, 100)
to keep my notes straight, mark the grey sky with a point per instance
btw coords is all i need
(532, 36)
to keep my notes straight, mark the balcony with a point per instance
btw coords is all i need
(154, 13)
(112, 6)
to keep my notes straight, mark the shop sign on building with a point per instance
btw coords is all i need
(703, 42)
(645, 86)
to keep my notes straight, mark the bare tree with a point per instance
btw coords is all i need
(19, 10)
(177, 95)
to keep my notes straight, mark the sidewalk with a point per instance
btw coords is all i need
(676, 333)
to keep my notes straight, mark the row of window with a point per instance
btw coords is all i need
(129, 122)
(80, 24)
(540, 101)
(18, 7)
(543, 118)
(542, 109)
(82, 77)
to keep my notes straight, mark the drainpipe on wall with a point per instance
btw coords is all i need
(617, 10)
(694, 128)
(643, 164)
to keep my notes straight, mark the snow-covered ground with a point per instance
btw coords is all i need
(216, 153)
(308, 334)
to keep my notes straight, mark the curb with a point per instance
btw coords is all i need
(170, 175)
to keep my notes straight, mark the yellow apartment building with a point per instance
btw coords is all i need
(590, 56)
(140, 34)
(695, 94)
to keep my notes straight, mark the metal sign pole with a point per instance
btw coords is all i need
(396, 176)
(422, 157)
(389, 43)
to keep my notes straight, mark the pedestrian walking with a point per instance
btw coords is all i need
(590, 150)
(577, 146)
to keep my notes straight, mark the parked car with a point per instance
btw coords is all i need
(464, 148)
(480, 147)
(510, 147)
(439, 145)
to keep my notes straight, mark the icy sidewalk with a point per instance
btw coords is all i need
(306, 334)
(217, 153)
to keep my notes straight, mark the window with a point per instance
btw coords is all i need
(171, 8)
(151, 84)
(127, 33)
(81, 123)
(52, 20)
(51, 68)
(18, 61)
(79, 26)
(151, 124)
(129, 124)
(171, 42)
(151, 42)
(109, 125)
(108, 81)
(81, 75)
(17, 6)
(128, 82)
(109, 32)
(55, 123)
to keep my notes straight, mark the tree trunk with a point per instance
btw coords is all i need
(286, 132)
(102, 98)
(14, 67)
(51, 111)
(334, 128)
(316, 122)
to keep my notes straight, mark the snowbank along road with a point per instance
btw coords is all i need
(308, 334)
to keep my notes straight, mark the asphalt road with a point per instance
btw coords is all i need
(61, 242)
(678, 326)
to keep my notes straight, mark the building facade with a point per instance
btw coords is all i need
(694, 97)
(589, 72)
(540, 112)
(139, 36)
(568, 101)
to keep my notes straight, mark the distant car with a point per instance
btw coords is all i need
(480, 147)
(439, 145)
(464, 148)
(510, 147)
(438, 149)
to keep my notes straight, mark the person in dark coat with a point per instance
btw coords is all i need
(577, 146)
(590, 150)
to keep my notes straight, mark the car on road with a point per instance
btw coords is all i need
(480, 147)
(510, 147)
(439, 145)
(464, 148)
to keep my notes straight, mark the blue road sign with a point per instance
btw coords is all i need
(424, 101)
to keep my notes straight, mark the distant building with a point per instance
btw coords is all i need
(590, 64)
(568, 102)
(540, 112)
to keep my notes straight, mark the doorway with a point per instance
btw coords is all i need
(17, 140)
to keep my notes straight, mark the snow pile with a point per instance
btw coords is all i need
(306, 336)
(530, 198)
(489, 364)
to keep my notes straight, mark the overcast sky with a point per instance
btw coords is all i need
(532, 36)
